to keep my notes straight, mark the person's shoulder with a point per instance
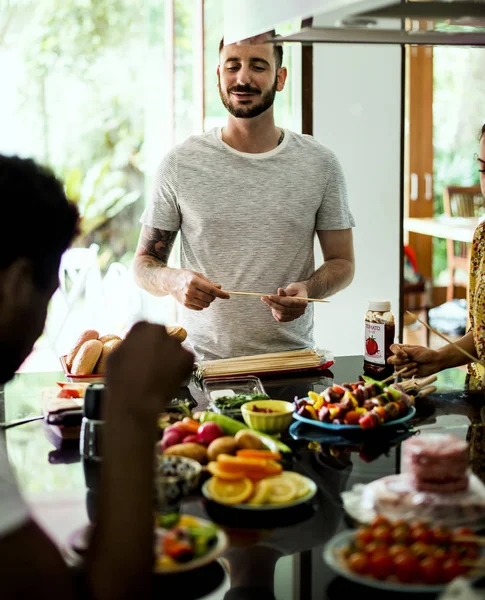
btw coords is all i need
(181, 152)
(197, 142)
(479, 236)
(309, 144)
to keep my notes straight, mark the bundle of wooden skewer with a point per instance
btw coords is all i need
(419, 387)
(260, 363)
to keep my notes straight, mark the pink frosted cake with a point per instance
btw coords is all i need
(436, 463)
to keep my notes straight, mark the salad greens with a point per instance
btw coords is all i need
(228, 402)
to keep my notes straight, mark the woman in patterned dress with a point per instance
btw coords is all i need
(423, 361)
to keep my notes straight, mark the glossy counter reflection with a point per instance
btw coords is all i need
(284, 563)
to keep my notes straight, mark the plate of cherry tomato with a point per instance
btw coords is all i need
(402, 556)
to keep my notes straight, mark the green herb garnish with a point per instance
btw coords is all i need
(228, 402)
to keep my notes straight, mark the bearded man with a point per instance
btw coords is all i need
(248, 200)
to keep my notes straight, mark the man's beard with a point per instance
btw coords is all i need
(247, 112)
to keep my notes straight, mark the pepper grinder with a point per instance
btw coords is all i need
(92, 424)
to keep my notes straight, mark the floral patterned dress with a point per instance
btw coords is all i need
(476, 304)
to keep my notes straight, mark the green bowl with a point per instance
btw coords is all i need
(274, 422)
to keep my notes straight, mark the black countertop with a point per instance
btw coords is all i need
(282, 563)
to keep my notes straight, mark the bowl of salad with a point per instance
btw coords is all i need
(227, 395)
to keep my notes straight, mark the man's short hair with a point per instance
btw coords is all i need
(37, 221)
(277, 48)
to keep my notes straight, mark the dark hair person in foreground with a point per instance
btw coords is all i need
(141, 377)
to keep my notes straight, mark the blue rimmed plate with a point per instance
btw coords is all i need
(341, 427)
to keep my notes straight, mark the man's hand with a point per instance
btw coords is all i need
(283, 306)
(195, 291)
(146, 370)
(418, 359)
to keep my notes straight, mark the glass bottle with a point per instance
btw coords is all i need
(380, 331)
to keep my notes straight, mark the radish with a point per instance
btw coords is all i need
(208, 432)
(172, 436)
(191, 439)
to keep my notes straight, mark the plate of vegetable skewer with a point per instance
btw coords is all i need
(363, 405)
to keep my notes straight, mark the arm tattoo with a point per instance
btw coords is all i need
(153, 252)
(156, 243)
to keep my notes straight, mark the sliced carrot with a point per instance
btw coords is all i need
(273, 468)
(242, 462)
(190, 424)
(217, 471)
(259, 454)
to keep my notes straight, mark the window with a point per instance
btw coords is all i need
(100, 92)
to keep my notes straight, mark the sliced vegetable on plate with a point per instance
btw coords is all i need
(361, 405)
(190, 544)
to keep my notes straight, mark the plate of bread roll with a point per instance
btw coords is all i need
(86, 360)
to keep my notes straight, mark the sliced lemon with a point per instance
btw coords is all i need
(230, 492)
(215, 469)
(301, 483)
(281, 490)
(260, 492)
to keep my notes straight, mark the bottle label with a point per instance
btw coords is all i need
(375, 347)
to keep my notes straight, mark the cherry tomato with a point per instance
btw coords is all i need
(374, 546)
(471, 550)
(451, 569)
(423, 524)
(431, 571)
(364, 537)
(359, 563)
(383, 534)
(419, 549)
(421, 534)
(401, 523)
(396, 549)
(352, 418)
(380, 520)
(381, 565)
(400, 533)
(463, 532)
(406, 567)
(442, 535)
(441, 554)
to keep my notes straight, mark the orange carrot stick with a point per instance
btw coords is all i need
(246, 453)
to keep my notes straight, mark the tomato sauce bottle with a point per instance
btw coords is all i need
(380, 331)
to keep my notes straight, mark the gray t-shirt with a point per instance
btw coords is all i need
(248, 222)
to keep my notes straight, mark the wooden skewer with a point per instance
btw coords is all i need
(430, 389)
(394, 375)
(443, 337)
(475, 539)
(416, 384)
(258, 295)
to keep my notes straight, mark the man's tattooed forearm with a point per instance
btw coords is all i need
(147, 269)
(156, 243)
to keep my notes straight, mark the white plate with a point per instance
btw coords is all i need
(259, 507)
(331, 556)
(75, 558)
(217, 549)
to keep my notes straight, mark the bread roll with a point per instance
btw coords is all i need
(110, 336)
(89, 334)
(87, 357)
(108, 348)
(177, 332)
